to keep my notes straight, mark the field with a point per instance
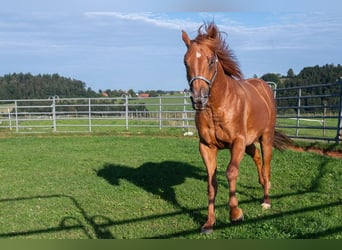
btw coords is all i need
(309, 127)
(151, 186)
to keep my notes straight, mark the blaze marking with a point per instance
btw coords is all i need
(198, 55)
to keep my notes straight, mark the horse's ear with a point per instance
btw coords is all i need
(185, 38)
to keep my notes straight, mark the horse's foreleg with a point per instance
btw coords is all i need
(266, 148)
(209, 158)
(237, 152)
(254, 152)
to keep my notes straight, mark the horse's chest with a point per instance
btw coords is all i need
(223, 131)
(215, 129)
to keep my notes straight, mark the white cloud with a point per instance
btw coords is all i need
(288, 31)
(282, 31)
(158, 20)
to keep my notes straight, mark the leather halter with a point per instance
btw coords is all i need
(209, 82)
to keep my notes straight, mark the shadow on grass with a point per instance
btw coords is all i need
(155, 178)
(160, 179)
(67, 223)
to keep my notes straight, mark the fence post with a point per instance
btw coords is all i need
(185, 114)
(89, 114)
(126, 111)
(160, 113)
(273, 86)
(16, 116)
(9, 119)
(54, 113)
(339, 122)
(298, 111)
(324, 115)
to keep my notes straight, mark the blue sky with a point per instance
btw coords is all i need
(115, 45)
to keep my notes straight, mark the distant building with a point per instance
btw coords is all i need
(144, 95)
(104, 94)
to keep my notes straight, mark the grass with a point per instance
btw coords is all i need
(328, 132)
(151, 186)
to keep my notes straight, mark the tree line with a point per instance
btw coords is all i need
(41, 86)
(28, 86)
(325, 74)
(322, 75)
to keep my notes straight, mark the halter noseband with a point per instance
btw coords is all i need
(209, 82)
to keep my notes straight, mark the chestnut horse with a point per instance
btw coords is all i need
(231, 113)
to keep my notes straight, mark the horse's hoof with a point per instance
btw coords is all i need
(237, 216)
(238, 220)
(207, 230)
(265, 206)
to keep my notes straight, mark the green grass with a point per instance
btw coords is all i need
(150, 186)
(172, 102)
(331, 123)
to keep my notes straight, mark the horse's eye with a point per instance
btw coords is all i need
(212, 60)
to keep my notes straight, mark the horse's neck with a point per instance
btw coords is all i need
(222, 89)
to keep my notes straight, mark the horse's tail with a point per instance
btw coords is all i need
(281, 141)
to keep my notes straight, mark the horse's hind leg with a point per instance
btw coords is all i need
(254, 152)
(266, 142)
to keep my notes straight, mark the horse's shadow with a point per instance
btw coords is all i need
(156, 178)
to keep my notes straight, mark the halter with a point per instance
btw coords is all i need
(209, 82)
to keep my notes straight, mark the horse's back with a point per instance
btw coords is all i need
(258, 90)
(262, 88)
(262, 110)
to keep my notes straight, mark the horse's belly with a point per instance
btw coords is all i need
(227, 135)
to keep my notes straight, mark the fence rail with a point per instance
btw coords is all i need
(95, 114)
(304, 115)
(300, 115)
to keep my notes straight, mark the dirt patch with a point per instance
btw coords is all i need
(335, 154)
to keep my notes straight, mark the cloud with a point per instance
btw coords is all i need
(158, 20)
(280, 31)
(286, 31)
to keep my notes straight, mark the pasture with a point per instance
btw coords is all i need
(149, 186)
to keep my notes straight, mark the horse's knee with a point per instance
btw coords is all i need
(232, 173)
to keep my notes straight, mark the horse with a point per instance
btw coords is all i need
(231, 113)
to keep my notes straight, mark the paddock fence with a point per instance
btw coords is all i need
(96, 114)
(308, 112)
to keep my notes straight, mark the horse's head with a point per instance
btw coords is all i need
(201, 68)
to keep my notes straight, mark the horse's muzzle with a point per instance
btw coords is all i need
(199, 103)
(200, 98)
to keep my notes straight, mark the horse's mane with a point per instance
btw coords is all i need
(210, 36)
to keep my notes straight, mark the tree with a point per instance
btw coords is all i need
(131, 93)
(290, 73)
(271, 77)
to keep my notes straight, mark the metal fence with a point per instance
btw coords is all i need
(310, 112)
(96, 114)
(301, 114)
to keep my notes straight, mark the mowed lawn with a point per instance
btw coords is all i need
(123, 187)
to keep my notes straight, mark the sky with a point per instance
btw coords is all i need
(136, 44)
